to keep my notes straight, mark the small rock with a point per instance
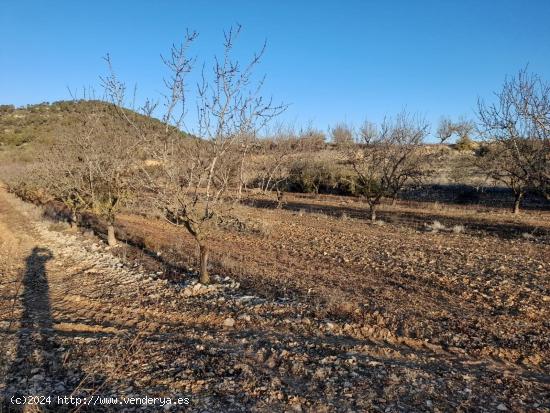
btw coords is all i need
(38, 377)
(229, 322)
(502, 407)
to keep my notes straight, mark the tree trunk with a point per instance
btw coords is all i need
(372, 213)
(241, 175)
(204, 276)
(517, 202)
(111, 239)
(280, 196)
(74, 221)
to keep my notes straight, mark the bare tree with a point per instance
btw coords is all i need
(464, 128)
(27, 181)
(272, 158)
(461, 128)
(497, 163)
(199, 180)
(388, 157)
(115, 163)
(445, 130)
(124, 166)
(66, 176)
(518, 127)
(197, 176)
(92, 171)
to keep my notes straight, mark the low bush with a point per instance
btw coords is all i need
(457, 229)
(314, 176)
(464, 143)
(435, 226)
(245, 225)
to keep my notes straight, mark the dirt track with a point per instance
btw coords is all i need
(76, 320)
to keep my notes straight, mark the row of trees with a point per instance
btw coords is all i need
(192, 182)
(194, 177)
(514, 135)
(93, 171)
(374, 162)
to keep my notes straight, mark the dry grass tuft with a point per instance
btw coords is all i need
(59, 226)
(435, 226)
(527, 235)
(458, 229)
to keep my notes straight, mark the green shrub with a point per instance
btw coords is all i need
(315, 176)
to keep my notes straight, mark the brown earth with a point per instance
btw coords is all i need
(486, 290)
(320, 314)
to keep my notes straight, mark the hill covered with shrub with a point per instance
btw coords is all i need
(46, 122)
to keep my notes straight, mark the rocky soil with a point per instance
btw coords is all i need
(77, 319)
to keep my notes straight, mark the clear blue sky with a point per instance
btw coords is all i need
(331, 60)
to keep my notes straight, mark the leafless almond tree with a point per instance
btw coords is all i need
(200, 179)
(92, 171)
(517, 125)
(66, 176)
(462, 128)
(272, 158)
(388, 157)
(197, 174)
(496, 162)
